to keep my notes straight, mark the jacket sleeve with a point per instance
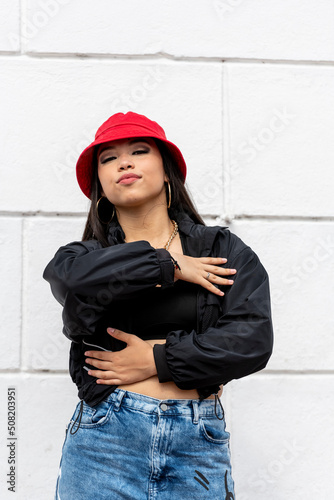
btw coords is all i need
(240, 343)
(85, 278)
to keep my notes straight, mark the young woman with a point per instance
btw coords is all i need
(162, 311)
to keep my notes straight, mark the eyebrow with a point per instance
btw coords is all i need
(133, 141)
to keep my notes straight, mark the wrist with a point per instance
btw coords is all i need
(176, 258)
(176, 264)
(151, 366)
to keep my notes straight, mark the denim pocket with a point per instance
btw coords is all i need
(92, 416)
(214, 430)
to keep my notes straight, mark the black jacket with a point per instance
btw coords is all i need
(234, 335)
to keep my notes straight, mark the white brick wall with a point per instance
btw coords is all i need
(246, 90)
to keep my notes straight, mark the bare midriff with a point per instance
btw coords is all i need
(164, 390)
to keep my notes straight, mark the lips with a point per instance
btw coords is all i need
(127, 178)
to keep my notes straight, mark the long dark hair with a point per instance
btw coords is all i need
(181, 199)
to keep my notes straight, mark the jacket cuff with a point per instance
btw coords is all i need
(166, 268)
(163, 371)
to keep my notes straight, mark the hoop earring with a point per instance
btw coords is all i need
(97, 211)
(169, 195)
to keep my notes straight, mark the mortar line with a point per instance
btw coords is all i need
(226, 151)
(214, 217)
(170, 57)
(21, 292)
(23, 17)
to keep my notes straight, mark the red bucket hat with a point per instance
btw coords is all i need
(123, 126)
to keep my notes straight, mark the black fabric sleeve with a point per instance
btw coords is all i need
(160, 358)
(85, 278)
(240, 343)
(167, 270)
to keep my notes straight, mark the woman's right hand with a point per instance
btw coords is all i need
(196, 269)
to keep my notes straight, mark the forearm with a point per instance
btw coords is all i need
(115, 273)
(238, 343)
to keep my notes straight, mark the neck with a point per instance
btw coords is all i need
(152, 225)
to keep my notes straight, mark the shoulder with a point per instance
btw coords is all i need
(233, 247)
(251, 274)
(216, 240)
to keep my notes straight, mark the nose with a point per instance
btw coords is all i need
(125, 162)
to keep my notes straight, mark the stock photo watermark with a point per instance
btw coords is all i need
(294, 277)
(277, 123)
(48, 9)
(11, 445)
(322, 251)
(126, 101)
(266, 477)
(214, 188)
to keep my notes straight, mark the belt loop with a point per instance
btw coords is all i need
(196, 412)
(119, 398)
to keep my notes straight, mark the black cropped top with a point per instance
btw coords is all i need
(151, 315)
(159, 311)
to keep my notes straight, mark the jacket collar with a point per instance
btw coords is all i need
(199, 238)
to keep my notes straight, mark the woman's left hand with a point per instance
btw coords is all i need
(132, 364)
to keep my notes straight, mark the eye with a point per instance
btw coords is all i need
(140, 151)
(109, 158)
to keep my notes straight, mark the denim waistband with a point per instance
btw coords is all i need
(192, 407)
(187, 407)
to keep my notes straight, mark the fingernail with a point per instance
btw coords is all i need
(111, 330)
(224, 260)
(230, 282)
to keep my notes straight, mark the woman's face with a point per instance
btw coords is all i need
(140, 160)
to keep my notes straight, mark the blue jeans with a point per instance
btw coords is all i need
(136, 447)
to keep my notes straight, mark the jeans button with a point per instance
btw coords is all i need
(164, 407)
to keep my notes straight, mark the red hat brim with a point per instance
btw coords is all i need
(84, 166)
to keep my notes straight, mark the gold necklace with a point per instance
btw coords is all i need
(174, 233)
